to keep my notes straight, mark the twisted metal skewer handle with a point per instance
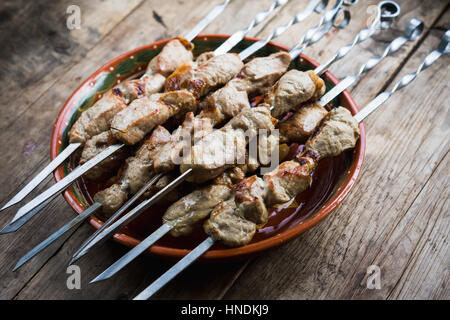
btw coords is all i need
(412, 32)
(327, 20)
(414, 29)
(239, 35)
(314, 5)
(443, 48)
(387, 10)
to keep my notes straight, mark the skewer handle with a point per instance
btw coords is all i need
(326, 20)
(239, 35)
(443, 48)
(387, 10)
(412, 32)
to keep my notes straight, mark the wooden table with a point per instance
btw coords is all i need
(396, 216)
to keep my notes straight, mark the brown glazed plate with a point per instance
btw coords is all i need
(332, 180)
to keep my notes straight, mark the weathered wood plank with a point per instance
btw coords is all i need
(427, 273)
(406, 140)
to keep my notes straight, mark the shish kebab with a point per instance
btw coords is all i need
(152, 105)
(136, 130)
(189, 210)
(287, 80)
(254, 76)
(338, 132)
(151, 82)
(250, 80)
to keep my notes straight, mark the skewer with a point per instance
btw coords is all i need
(317, 6)
(314, 5)
(372, 106)
(311, 37)
(77, 219)
(55, 163)
(239, 35)
(80, 170)
(415, 27)
(307, 39)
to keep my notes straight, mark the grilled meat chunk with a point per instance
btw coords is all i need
(213, 154)
(223, 104)
(302, 124)
(204, 57)
(293, 88)
(152, 83)
(209, 76)
(287, 180)
(108, 166)
(175, 53)
(97, 118)
(142, 115)
(226, 225)
(225, 147)
(250, 195)
(231, 176)
(135, 173)
(111, 199)
(191, 209)
(191, 130)
(261, 73)
(254, 78)
(338, 132)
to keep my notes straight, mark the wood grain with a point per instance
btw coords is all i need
(395, 217)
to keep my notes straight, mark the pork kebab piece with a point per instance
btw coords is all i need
(168, 59)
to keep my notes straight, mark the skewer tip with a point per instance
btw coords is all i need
(97, 279)
(19, 264)
(73, 260)
(7, 205)
(9, 228)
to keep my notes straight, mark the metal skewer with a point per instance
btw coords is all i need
(80, 170)
(412, 32)
(415, 27)
(372, 106)
(314, 5)
(317, 5)
(55, 163)
(75, 221)
(309, 39)
(239, 35)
